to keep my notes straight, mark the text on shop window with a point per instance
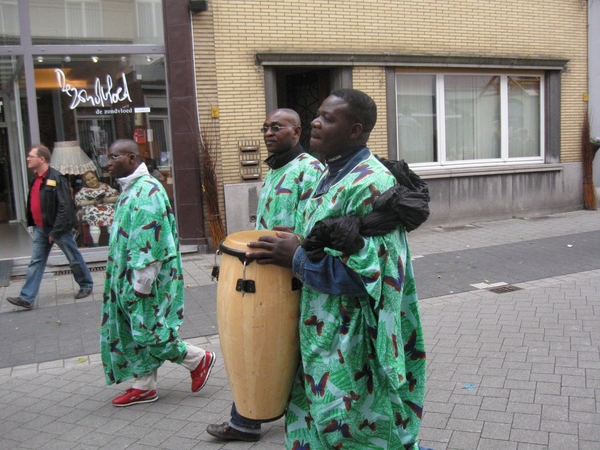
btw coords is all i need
(102, 95)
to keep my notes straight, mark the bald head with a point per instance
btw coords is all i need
(123, 158)
(127, 146)
(292, 116)
(288, 125)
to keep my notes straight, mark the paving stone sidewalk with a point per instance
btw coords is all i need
(518, 370)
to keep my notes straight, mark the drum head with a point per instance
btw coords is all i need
(238, 240)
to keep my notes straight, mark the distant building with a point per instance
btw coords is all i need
(484, 99)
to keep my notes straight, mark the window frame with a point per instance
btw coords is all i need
(552, 112)
(440, 119)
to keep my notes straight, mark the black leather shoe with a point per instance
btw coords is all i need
(83, 293)
(225, 432)
(19, 302)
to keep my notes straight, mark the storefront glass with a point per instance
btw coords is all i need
(14, 133)
(95, 99)
(9, 23)
(96, 22)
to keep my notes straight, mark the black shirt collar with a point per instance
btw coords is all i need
(278, 160)
(336, 163)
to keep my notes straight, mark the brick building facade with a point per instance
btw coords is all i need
(474, 74)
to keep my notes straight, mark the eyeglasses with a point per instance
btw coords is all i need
(115, 157)
(274, 128)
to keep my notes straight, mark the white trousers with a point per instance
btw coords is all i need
(190, 362)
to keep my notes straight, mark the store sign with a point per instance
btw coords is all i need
(106, 95)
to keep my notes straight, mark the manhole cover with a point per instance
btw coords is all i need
(504, 289)
(449, 228)
(542, 217)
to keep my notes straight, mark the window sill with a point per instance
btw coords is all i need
(458, 172)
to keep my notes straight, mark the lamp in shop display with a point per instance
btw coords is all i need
(69, 159)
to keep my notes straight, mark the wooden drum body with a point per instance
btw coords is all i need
(257, 312)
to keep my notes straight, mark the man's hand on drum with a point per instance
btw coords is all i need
(277, 249)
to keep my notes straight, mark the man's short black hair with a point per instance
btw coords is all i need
(362, 108)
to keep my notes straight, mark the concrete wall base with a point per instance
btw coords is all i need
(488, 197)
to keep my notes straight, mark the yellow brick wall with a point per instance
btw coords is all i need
(372, 80)
(236, 30)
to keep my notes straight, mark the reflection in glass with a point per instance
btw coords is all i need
(472, 117)
(96, 22)
(119, 96)
(95, 103)
(416, 106)
(9, 23)
(523, 116)
(14, 134)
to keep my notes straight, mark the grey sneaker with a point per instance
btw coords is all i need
(18, 301)
(83, 293)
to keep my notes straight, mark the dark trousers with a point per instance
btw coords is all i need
(241, 423)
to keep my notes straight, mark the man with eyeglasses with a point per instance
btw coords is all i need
(143, 300)
(288, 184)
(51, 211)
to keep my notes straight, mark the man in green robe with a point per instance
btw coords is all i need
(142, 306)
(361, 382)
(290, 181)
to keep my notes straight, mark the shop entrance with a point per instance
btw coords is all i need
(13, 128)
(7, 201)
(303, 89)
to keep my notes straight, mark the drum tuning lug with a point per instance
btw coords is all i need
(214, 273)
(244, 286)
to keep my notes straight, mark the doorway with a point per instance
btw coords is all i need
(14, 126)
(303, 89)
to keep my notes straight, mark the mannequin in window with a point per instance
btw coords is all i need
(96, 201)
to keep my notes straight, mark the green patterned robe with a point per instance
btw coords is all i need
(138, 334)
(361, 383)
(285, 192)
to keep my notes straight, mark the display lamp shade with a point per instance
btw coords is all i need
(69, 158)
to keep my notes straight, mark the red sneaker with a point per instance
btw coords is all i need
(133, 396)
(200, 374)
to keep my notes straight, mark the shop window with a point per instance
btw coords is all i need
(95, 134)
(84, 18)
(149, 19)
(460, 118)
(160, 142)
(9, 23)
(95, 22)
(96, 99)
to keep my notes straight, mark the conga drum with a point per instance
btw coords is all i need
(257, 313)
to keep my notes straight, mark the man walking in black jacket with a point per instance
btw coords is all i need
(51, 211)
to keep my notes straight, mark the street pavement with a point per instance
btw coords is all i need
(511, 314)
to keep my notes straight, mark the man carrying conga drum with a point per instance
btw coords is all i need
(288, 184)
(361, 381)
